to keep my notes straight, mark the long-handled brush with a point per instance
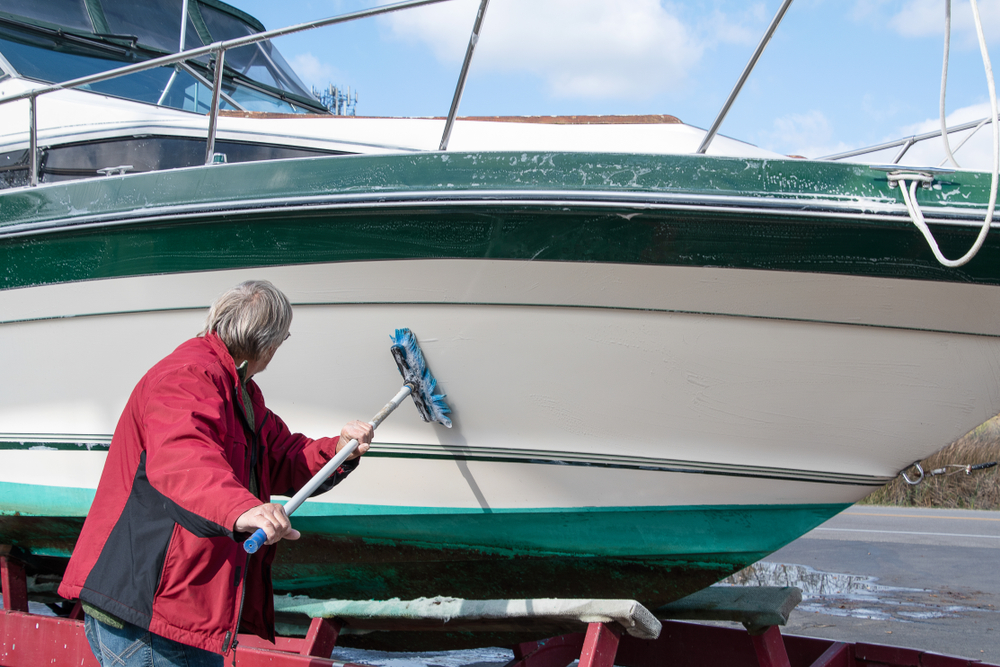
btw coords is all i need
(417, 382)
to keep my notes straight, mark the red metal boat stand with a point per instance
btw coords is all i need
(30, 640)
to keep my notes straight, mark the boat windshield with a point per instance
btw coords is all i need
(93, 36)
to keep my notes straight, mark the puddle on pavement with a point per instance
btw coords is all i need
(857, 596)
(480, 657)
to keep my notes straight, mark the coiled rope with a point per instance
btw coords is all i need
(910, 192)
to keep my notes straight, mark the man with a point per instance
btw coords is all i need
(159, 566)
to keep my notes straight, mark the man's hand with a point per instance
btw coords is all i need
(272, 519)
(363, 432)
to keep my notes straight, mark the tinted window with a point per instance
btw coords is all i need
(68, 13)
(156, 24)
(260, 62)
(55, 57)
(37, 58)
(47, 64)
(254, 100)
(66, 163)
(147, 154)
(13, 169)
(187, 93)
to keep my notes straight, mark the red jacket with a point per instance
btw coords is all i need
(158, 548)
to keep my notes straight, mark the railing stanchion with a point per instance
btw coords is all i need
(33, 139)
(213, 116)
(460, 88)
(710, 135)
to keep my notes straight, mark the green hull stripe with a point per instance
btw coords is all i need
(154, 235)
(799, 182)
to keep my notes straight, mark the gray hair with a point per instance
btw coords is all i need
(251, 319)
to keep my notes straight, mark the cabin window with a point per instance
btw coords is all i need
(60, 47)
(36, 57)
(13, 169)
(260, 62)
(156, 24)
(142, 154)
(67, 13)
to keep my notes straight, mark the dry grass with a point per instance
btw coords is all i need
(979, 490)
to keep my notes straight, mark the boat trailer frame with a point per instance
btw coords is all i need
(28, 640)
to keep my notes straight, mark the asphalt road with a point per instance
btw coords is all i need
(917, 578)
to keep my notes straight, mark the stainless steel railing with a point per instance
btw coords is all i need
(906, 143)
(218, 50)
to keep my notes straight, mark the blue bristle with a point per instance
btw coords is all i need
(406, 341)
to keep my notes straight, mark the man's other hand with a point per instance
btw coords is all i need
(363, 432)
(272, 519)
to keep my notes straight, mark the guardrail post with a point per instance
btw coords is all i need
(213, 116)
(33, 139)
(710, 135)
(460, 88)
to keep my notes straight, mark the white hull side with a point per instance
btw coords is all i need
(731, 372)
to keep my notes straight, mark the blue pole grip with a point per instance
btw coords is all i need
(255, 541)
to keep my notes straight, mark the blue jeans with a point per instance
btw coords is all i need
(133, 646)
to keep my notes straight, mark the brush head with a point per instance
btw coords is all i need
(413, 368)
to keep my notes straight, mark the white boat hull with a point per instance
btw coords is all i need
(758, 384)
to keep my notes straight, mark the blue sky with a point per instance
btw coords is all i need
(839, 74)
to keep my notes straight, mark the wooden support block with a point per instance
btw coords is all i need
(753, 606)
(600, 645)
(321, 638)
(770, 648)
(13, 584)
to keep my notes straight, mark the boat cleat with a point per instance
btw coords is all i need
(923, 175)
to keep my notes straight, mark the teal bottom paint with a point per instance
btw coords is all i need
(615, 532)
(651, 554)
(37, 500)
(604, 532)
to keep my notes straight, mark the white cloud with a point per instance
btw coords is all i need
(580, 48)
(745, 29)
(922, 18)
(312, 70)
(977, 153)
(808, 134)
(878, 108)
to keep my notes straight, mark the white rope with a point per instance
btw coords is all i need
(910, 197)
(944, 83)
